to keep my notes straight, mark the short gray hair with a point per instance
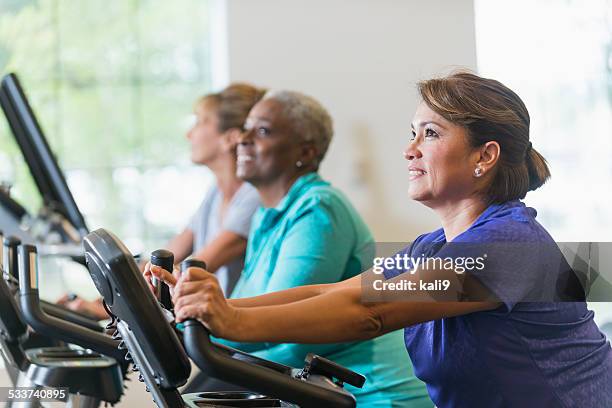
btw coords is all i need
(307, 117)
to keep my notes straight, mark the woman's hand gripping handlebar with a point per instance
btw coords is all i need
(197, 295)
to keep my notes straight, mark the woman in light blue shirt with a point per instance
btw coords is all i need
(218, 231)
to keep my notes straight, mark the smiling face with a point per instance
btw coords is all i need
(268, 149)
(441, 162)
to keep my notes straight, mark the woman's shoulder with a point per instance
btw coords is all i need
(247, 189)
(326, 197)
(246, 195)
(329, 205)
(208, 198)
(512, 221)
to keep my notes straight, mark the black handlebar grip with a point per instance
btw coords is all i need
(28, 269)
(195, 263)
(164, 259)
(192, 263)
(10, 259)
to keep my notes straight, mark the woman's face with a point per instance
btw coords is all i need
(204, 136)
(268, 149)
(441, 163)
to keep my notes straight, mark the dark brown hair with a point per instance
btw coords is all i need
(233, 104)
(490, 111)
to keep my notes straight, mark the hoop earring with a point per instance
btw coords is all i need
(477, 172)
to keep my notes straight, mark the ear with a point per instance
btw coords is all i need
(488, 156)
(308, 154)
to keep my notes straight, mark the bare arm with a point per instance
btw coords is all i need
(181, 245)
(339, 316)
(226, 247)
(92, 308)
(365, 280)
(286, 296)
(337, 312)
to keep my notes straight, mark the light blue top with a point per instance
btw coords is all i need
(315, 236)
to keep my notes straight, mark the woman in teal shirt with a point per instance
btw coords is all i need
(307, 233)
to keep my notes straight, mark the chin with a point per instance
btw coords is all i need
(243, 175)
(419, 195)
(198, 159)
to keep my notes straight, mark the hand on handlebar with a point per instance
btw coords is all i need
(197, 295)
(93, 308)
(168, 278)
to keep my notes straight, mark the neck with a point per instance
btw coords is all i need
(272, 193)
(224, 170)
(457, 217)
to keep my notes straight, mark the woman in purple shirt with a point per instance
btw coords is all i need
(522, 339)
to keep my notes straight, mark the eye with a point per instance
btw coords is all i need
(263, 131)
(412, 136)
(429, 132)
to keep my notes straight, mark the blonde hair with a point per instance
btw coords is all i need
(233, 104)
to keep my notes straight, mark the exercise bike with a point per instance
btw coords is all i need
(154, 344)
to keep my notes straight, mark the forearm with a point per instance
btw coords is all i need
(181, 245)
(333, 316)
(226, 247)
(339, 316)
(281, 297)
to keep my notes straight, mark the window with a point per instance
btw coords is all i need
(113, 84)
(557, 55)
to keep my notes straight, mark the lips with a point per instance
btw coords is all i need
(244, 158)
(244, 155)
(414, 172)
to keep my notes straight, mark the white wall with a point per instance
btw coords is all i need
(361, 59)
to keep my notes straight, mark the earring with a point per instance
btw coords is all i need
(299, 164)
(477, 172)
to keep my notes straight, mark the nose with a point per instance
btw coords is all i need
(245, 137)
(412, 151)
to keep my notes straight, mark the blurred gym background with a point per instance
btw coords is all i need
(113, 84)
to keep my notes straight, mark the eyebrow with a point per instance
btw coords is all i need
(258, 119)
(427, 122)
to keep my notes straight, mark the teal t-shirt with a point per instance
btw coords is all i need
(315, 236)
